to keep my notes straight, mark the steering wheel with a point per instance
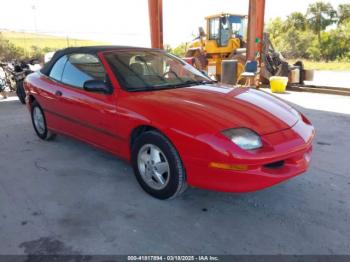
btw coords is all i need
(170, 72)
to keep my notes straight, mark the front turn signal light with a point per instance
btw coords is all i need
(228, 166)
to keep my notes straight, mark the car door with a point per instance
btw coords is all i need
(90, 116)
(47, 94)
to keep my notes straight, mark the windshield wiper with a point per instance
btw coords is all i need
(169, 86)
(183, 84)
(203, 82)
(190, 83)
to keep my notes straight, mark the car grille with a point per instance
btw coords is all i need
(275, 165)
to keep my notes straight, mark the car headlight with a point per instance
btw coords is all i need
(244, 138)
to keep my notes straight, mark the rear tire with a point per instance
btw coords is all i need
(157, 166)
(20, 92)
(39, 122)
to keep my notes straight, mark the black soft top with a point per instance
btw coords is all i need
(85, 49)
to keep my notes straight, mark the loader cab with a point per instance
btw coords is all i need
(224, 27)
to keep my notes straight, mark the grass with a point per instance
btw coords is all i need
(27, 40)
(322, 65)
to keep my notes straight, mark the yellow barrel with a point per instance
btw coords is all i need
(278, 84)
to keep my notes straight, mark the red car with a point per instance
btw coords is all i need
(174, 124)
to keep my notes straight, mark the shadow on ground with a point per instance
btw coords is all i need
(67, 197)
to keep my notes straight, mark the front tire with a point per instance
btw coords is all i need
(157, 166)
(39, 122)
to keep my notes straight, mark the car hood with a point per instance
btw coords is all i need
(221, 107)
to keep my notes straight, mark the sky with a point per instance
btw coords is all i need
(125, 22)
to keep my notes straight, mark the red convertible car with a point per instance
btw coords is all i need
(174, 124)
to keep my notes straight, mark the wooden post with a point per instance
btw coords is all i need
(255, 29)
(155, 8)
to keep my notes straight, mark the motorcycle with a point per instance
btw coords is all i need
(16, 72)
(6, 76)
(2, 83)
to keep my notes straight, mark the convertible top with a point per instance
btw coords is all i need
(85, 49)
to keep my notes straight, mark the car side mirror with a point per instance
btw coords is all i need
(98, 86)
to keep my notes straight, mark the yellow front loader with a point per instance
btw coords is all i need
(225, 38)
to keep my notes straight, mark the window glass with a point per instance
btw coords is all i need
(57, 69)
(214, 28)
(149, 70)
(236, 27)
(81, 68)
(225, 31)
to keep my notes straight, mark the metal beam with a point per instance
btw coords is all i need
(155, 8)
(255, 29)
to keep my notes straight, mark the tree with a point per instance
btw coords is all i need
(343, 13)
(179, 51)
(342, 34)
(331, 45)
(320, 15)
(302, 37)
(276, 30)
(275, 27)
(296, 20)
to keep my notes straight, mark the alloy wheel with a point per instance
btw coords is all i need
(39, 121)
(153, 166)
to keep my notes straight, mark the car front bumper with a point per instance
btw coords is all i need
(288, 157)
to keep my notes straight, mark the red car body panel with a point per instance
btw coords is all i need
(192, 118)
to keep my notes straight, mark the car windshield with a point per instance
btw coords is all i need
(150, 70)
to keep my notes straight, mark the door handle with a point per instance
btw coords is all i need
(58, 93)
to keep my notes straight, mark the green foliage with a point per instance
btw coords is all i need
(15, 45)
(179, 51)
(345, 58)
(276, 27)
(310, 37)
(296, 20)
(9, 51)
(314, 52)
(343, 13)
(320, 15)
